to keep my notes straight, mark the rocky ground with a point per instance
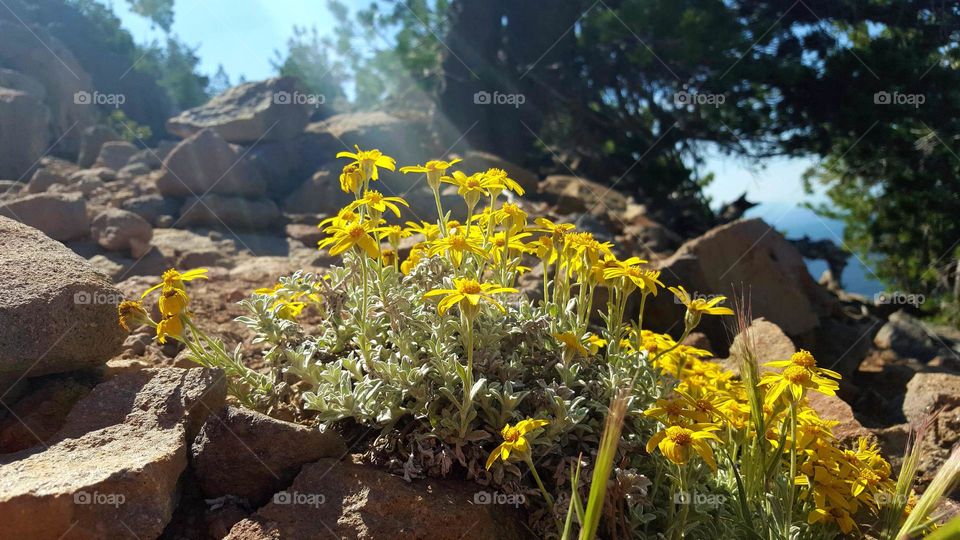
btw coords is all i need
(104, 435)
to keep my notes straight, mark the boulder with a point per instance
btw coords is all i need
(60, 216)
(40, 413)
(152, 206)
(640, 232)
(69, 88)
(187, 249)
(57, 313)
(153, 157)
(257, 111)
(133, 170)
(762, 341)
(848, 430)
(572, 194)
(85, 185)
(219, 211)
(907, 337)
(10, 189)
(250, 455)
(16, 80)
(115, 154)
(24, 132)
(345, 500)
(321, 194)
(112, 470)
(930, 391)
(119, 230)
(91, 142)
(405, 136)
(308, 235)
(102, 174)
(733, 259)
(477, 161)
(206, 163)
(278, 163)
(44, 179)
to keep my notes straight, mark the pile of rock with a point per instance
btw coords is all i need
(88, 450)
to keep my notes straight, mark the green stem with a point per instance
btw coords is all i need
(684, 507)
(467, 329)
(443, 224)
(793, 469)
(643, 303)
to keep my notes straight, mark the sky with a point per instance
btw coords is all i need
(244, 40)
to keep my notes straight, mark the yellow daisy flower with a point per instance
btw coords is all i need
(676, 442)
(369, 161)
(514, 440)
(467, 293)
(174, 279)
(434, 169)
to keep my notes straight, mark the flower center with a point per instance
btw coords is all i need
(356, 232)
(803, 359)
(680, 436)
(374, 197)
(458, 243)
(470, 287)
(797, 374)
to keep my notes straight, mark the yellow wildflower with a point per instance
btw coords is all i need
(132, 314)
(676, 442)
(499, 181)
(377, 204)
(796, 378)
(571, 344)
(350, 235)
(174, 279)
(515, 440)
(173, 301)
(467, 293)
(699, 306)
(369, 161)
(351, 179)
(169, 327)
(434, 170)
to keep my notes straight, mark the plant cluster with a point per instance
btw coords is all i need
(423, 335)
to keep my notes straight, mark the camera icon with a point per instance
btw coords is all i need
(82, 97)
(82, 497)
(482, 98)
(682, 497)
(282, 497)
(83, 298)
(281, 98)
(881, 98)
(482, 497)
(682, 98)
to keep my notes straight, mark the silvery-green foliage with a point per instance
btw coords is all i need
(414, 368)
